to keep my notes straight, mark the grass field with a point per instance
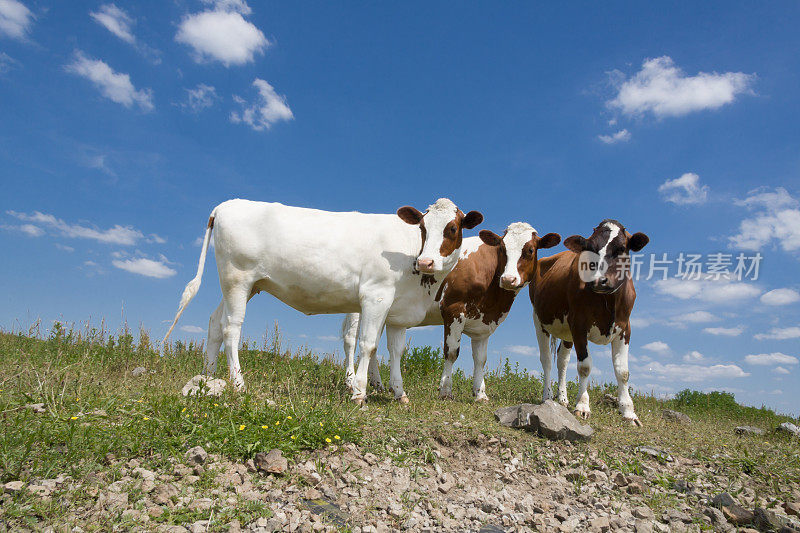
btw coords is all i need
(298, 401)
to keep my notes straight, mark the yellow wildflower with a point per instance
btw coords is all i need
(337, 437)
(293, 437)
(183, 410)
(146, 418)
(73, 418)
(320, 424)
(328, 440)
(241, 428)
(288, 418)
(264, 426)
(277, 422)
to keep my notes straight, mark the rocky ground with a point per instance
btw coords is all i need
(483, 485)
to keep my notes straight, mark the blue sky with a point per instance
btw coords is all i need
(122, 125)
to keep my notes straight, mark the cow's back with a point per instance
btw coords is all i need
(549, 291)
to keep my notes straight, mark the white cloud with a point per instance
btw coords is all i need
(15, 19)
(115, 86)
(697, 317)
(663, 89)
(7, 62)
(781, 370)
(638, 322)
(520, 349)
(708, 290)
(192, 329)
(777, 219)
(775, 358)
(201, 97)
(65, 248)
(780, 334)
(694, 372)
(115, 20)
(620, 136)
(122, 235)
(145, 267)
(28, 229)
(221, 35)
(780, 297)
(329, 338)
(266, 111)
(239, 6)
(725, 332)
(694, 357)
(685, 190)
(657, 346)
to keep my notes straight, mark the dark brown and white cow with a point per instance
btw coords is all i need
(325, 262)
(587, 294)
(474, 299)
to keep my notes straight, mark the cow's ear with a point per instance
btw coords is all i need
(472, 219)
(410, 215)
(548, 241)
(637, 241)
(489, 237)
(576, 243)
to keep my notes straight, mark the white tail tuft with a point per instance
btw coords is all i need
(193, 286)
(553, 346)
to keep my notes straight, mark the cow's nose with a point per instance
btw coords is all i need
(425, 265)
(603, 282)
(508, 282)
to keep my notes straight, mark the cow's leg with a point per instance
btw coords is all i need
(619, 356)
(374, 308)
(349, 338)
(562, 361)
(479, 348)
(543, 338)
(396, 343)
(582, 408)
(453, 328)
(374, 372)
(214, 340)
(235, 300)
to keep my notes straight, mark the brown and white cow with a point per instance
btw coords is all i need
(587, 294)
(474, 299)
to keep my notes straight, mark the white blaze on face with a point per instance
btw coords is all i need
(603, 266)
(517, 236)
(436, 218)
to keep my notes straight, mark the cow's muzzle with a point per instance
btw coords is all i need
(425, 265)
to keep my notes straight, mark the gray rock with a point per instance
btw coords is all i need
(767, 520)
(138, 371)
(676, 416)
(722, 499)
(748, 430)
(204, 385)
(655, 452)
(164, 493)
(36, 407)
(195, 456)
(507, 416)
(272, 463)
(553, 421)
(201, 504)
(715, 515)
(789, 429)
(13, 487)
(644, 512)
(737, 515)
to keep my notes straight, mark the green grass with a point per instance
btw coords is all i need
(298, 401)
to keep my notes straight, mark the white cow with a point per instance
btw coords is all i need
(475, 299)
(385, 267)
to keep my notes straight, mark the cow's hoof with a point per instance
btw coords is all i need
(481, 399)
(563, 401)
(403, 400)
(359, 400)
(633, 421)
(378, 387)
(445, 395)
(582, 414)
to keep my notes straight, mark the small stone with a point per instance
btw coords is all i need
(792, 508)
(554, 421)
(737, 515)
(164, 493)
(155, 511)
(766, 520)
(13, 487)
(138, 371)
(643, 512)
(716, 516)
(201, 504)
(676, 416)
(597, 476)
(36, 407)
(204, 385)
(272, 463)
(655, 452)
(620, 480)
(635, 488)
(748, 430)
(722, 499)
(312, 494)
(788, 428)
(195, 456)
(599, 524)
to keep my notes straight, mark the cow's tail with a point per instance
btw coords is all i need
(554, 346)
(193, 286)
